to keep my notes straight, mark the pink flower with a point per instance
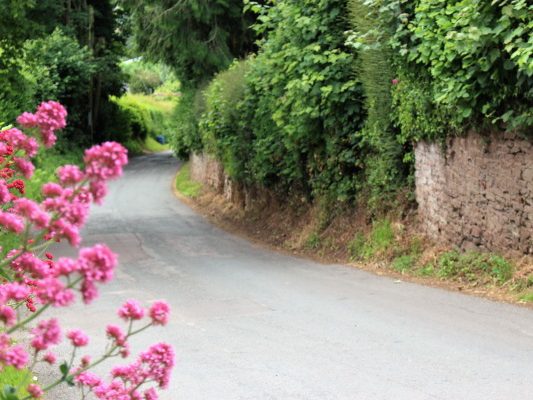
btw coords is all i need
(125, 350)
(13, 291)
(27, 120)
(5, 195)
(97, 263)
(159, 359)
(62, 229)
(105, 161)
(159, 312)
(16, 356)
(53, 291)
(70, 175)
(98, 190)
(52, 189)
(52, 115)
(32, 265)
(88, 291)
(150, 394)
(11, 222)
(50, 358)
(114, 332)
(78, 338)
(131, 309)
(14, 137)
(115, 391)
(395, 81)
(8, 316)
(45, 334)
(34, 390)
(65, 266)
(24, 166)
(30, 146)
(88, 379)
(32, 212)
(85, 360)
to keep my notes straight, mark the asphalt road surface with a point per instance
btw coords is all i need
(248, 323)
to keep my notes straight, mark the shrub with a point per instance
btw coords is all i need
(219, 125)
(186, 115)
(304, 101)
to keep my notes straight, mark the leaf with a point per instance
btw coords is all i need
(9, 393)
(63, 368)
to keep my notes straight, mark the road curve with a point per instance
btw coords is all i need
(252, 324)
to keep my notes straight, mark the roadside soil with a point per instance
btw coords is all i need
(298, 228)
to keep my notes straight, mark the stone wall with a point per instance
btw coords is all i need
(477, 192)
(209, 171)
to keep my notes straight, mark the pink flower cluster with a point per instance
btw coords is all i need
(152, 366)
(49, 117)
(13, 355)
(39, 281)
(132, 310)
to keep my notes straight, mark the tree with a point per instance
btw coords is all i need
(196, 37)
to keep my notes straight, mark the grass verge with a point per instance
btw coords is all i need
(185, 185)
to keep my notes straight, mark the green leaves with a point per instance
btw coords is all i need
(480, 57)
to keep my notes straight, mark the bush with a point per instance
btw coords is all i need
(219, 125)
(303, 101)
(186, 116)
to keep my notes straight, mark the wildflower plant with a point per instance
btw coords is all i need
(34, 281)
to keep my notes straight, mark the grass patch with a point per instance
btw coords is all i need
(16, 379)
(152, 102)
(313, 241)
(528, 297)
(185, 185)
(380, 239)
(474, 266)
(404, 263)
(426, 270)
(154, 146)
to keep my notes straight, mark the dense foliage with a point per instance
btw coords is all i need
(288, 117)
(68, 51)
(331, 109)
(479, 55)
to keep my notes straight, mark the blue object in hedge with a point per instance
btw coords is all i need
(160, 139)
